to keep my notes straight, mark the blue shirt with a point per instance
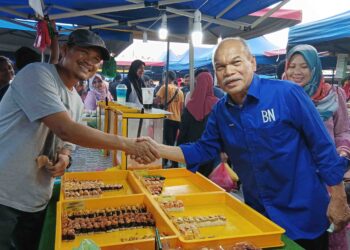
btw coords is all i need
(281, 152)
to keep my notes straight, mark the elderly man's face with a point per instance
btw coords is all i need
(234, 67)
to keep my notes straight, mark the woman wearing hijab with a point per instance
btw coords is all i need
(195, 115)
(303, 66)
(134, 82)
(99, 92)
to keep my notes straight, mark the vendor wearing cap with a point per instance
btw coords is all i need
(44, 125)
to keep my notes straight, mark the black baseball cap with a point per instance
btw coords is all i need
(87, 38)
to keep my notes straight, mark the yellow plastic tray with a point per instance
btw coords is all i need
(168, 243)
(124, 177)
(112, 240)
(182, 181)
(243, 223)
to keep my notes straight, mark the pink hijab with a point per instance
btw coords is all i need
(95, 95)
(202, 99)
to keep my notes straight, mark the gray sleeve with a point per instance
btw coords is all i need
(36, 92)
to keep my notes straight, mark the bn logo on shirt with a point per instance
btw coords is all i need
(268, 115)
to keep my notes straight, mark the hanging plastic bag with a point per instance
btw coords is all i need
(42, 39)
(221, 177)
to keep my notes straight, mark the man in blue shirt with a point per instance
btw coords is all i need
(278, 145)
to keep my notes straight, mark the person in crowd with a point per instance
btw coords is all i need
(278, 145)
(99, 92)
(174, 105)
(6, 75)
(24, 56)
(148, 81)
(195, 116)
(346, 87)
(29, 127)
(280, 69)
(218, 92)
(157, 88)
(81, 88)
(304, 68)
(113, 85)
(186, 84)
(134, 82)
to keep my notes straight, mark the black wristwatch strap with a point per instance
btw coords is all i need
(70, 161)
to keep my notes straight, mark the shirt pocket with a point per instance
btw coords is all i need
(275, 137)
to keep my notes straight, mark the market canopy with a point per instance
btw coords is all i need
(203, 55)
(219, 17)
(330, 34)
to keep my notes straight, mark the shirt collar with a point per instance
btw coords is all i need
(253, 91)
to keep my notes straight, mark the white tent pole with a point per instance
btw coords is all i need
(191, 54)
(14, 12)
(112, 9)
(223, 12)
(149, 19)
(98, 11)
(219, 21)
(93, 16)
(269, 13)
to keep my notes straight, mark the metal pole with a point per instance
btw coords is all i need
(191, 55)
(167, 76)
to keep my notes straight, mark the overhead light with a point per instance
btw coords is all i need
(197, 35)
(219, 39)
(163, 31)
(144, 37)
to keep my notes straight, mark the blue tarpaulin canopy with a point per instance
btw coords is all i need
(331, 34)
(219, 17)
(203, 55)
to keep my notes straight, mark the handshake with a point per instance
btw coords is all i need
(143, 150)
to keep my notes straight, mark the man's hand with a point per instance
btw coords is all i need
(338, 211)
(144, 150)
(59, 168)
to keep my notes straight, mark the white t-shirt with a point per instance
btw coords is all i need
(36, 92)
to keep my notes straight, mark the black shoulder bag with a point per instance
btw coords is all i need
(161, 106)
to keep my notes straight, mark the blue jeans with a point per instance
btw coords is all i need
(20, 230)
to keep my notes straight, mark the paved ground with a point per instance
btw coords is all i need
(87, 159)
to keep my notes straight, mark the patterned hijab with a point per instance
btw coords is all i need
(321, 93)
(202, 99)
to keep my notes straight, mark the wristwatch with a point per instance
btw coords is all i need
(70, 161)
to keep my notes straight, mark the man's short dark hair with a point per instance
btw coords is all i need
(171, 75)
(24, 56)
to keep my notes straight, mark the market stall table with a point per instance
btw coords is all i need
(47, 241)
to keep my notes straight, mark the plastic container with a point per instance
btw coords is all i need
(112, 240)
(243, 223)
(124, 177)
(181, 181)
(147, 97)
(121, 93)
